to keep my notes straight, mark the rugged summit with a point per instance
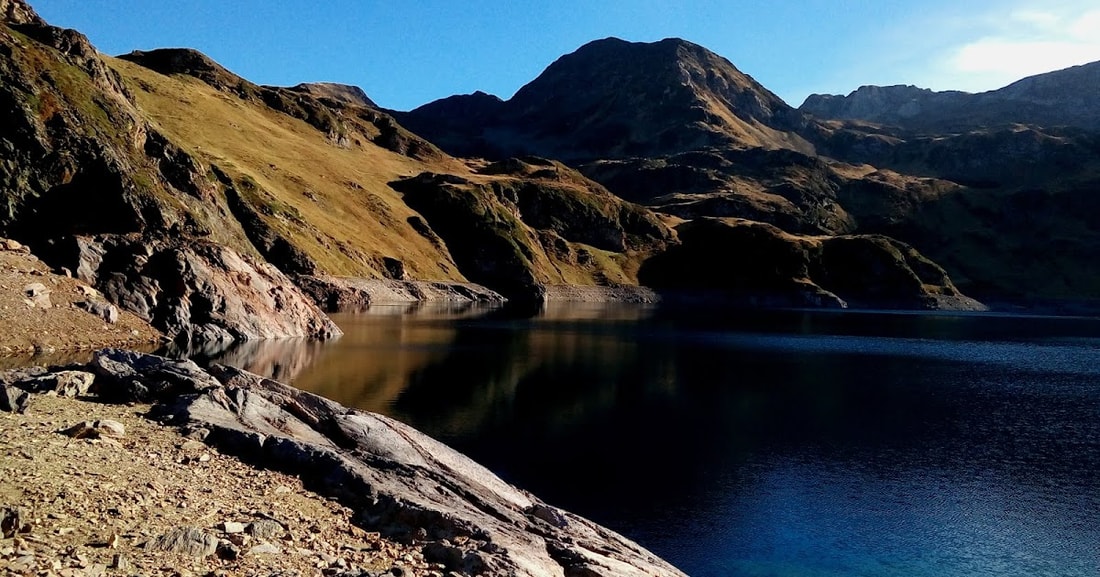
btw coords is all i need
(612, 99)
(338, 92)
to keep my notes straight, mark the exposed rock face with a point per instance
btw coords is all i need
(510, 233)
(202, 291)
(897, 104)
(92, 188)
(337, 92)
(614, 99)
(18, 12)
(342, 294)
(756, 264)
(1061, 98)
(795, 192)
(403, 483)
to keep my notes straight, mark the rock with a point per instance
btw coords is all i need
(38, 295)
(401, 482)
(6, 244)
(13, 376)
(204, 292)
(185, 541)
(119, 562)
(106, 311)
(231, 527)
(265, 529)
(228, 550)
(12, 521)
(13, 400)
(549, 514)
(61, 383)
(96, 430)
(138, 377)
(265, 549)
(344, 294)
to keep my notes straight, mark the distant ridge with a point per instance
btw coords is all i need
(1065, 97)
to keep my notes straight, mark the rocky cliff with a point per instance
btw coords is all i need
(84, 173)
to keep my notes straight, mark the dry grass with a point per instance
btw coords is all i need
(350, 218)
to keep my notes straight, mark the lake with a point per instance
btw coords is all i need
(779, 443)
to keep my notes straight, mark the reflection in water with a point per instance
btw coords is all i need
(764, 444)
(62, 358)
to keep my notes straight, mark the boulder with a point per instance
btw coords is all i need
(132, 376)
(38, 295)
(106, 311)
(185, 541)
(13, 400)
(60, 383)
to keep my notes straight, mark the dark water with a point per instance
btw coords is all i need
(768, 444)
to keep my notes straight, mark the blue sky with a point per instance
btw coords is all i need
(404, 54)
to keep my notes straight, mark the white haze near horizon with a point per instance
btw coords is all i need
(979, 50)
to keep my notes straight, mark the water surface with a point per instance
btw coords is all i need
(791, 443)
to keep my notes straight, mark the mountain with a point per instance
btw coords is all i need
(201, 201)
(614, 99)
(343, 93)
(675, 128)
(145, 174)
(1061, 98)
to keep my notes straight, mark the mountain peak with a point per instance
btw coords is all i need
(344, 93)
(186, 61)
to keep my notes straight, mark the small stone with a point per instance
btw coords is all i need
(230, 527)
(190, 445)
(38, 295)
(119, 562)
(12, 521)
(106, 311)
(265, 529)
(185, 541)
(109, 428)
(265, 549)
(96, 429)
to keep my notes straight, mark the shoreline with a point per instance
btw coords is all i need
(398, 483)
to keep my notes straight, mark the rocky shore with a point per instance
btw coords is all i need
(160, 466)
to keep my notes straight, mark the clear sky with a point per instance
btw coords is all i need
(404, 54)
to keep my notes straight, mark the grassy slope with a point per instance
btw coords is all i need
(330, 201)
(334, 202)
